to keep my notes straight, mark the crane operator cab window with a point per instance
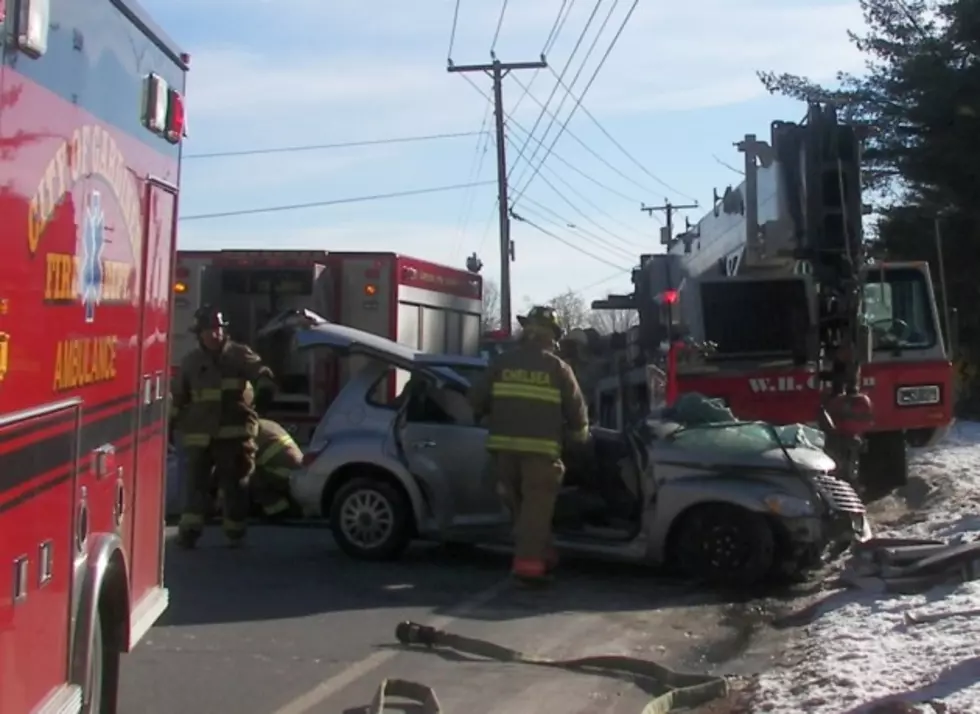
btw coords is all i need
(899, 309)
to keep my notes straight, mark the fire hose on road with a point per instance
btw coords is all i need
(678, 690)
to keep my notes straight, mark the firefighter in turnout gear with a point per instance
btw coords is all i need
(534, 405)
(213, 408)
(277, 456)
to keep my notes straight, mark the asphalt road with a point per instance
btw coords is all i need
(289, 625)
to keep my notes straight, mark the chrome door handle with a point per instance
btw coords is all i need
(419, 445)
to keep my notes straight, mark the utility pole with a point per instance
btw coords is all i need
(667, 233)
(497, 71)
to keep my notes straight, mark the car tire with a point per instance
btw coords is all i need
(371, 519)
(884, 465)
(725, 545)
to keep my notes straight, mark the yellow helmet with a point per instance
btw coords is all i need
(542, 317)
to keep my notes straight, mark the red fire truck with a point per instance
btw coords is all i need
(426, 306)
(91, 122)
(783, 309)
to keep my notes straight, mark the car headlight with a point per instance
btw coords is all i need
(918, 396)
(789, 506)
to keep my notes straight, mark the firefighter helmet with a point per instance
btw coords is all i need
(208, 318)
(542, 317)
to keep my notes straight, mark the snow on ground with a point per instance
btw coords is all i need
(860, 652)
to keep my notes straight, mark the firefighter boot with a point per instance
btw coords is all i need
(189, 530)
(234, 532)
(531, 572)
(187, 539)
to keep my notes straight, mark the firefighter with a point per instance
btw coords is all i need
(533, 404)
(277, 456)
(214, 409)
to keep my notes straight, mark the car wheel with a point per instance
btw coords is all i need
(725, 545)
(371, 519)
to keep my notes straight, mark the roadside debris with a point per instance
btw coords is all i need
(905, 631)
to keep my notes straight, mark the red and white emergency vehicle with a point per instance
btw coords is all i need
(429, 307)
(91, 122)
(781, 306)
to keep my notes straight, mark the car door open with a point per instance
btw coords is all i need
(437, 430)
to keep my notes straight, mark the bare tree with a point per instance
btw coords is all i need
(570, 309)
(490, 319)
(608, 321)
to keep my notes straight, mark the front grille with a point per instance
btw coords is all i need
(839, 494)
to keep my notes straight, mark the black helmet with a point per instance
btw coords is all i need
(207, 318)
(542, 317)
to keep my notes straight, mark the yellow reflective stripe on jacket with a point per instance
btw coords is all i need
(280, 506)
(198, 439)
(280, 471)
(551, 395)
(206, 395)
(232, 383)
(545, 447)
(273, 449)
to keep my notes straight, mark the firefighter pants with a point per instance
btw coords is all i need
(229, 463)
(529, 485)
(270, 490)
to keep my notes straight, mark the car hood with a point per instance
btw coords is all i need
(804, 459)
(310, 330)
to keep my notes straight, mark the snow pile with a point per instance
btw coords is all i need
(861, 652)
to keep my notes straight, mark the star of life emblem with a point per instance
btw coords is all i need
(93, 243)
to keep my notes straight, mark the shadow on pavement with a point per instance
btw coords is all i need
(291, 573)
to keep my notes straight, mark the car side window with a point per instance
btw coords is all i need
(382, 393)
(432, 403)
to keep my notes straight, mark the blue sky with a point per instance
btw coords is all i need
(678, 89)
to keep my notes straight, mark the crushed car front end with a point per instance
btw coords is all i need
(836, 519)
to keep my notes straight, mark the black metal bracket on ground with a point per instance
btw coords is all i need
(677, 690)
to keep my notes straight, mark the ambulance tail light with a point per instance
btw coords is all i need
(370, 290)
(176, 120)
(180, 288)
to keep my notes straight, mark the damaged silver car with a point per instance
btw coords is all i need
(398, 456)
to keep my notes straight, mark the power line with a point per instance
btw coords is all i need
(619, 146)
(597, 283)
(340, 145)
(554, 89)
(580, 212)
(529, 137)
(585, 199)
(500, 23)
(578, 73)
(562, 221)
(578, 102)
(553, 188)
(558, 238)
(558, 26)
(588, 148)
(476, 167)
(334, 202)
(452, 34)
